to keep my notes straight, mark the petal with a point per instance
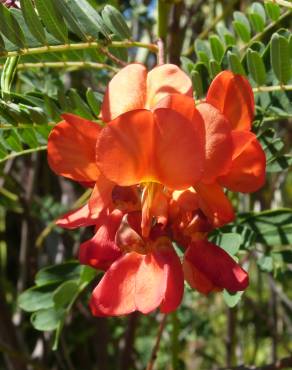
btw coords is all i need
(142, 146)
(233, 96)
(101, 196)
(214, 204)
(71, 148)
(115, 293)
(175, 279)
(248, 168)
(218, 142)
(196, 279)
(101, 251)
(77, 218)
(166, 79)
(151, 282)
(125, 92)
(216, 267)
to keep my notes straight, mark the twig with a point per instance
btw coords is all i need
(161, 52)
(74, 65)
(25, 151)
(155, 349)
(80, 46)
(128, 347)
(285, 3)
(112, 57)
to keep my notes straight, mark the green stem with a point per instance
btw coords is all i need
(163, 9)
(25, 151)
(79, 65)
(174, 340)
(80, 46)
(285, 3)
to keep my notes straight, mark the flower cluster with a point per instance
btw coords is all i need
(158, 168)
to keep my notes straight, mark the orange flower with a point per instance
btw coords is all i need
(135, 88)
(234, 157)
(148, 274)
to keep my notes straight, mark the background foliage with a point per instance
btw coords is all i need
(57, 56)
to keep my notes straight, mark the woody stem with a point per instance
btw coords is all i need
(161, 52)
(155, 349)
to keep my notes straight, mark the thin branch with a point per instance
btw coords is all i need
(80, 46)
(161, 52)
(155, 349)
(118, 61)
(25, 151)
(272, 88)
(75, 65)
(285, 3)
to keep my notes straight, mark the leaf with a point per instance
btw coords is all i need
(214, 68)
(10, 28)
(235, 64)
(70, 18)
(32, 20)
(78, 106)
(230, 242)
(90, 21)
(7, 75)
(197, 83)
(270, 227)
(59, 273)
(65, 293)
(257, 17)
(217, 48)
(231, 299)
(47, 320)
(265, 263)
(114, 20)
(87, 275)
(225, 35)
(280, 58)
(52, 19)
(94, 100)
(273, 10)
(37, 298)
(256, 67)
(241, 26)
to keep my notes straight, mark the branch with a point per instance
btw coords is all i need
(285, 3)
(22, 152)
(77, 65)
(157, 343)
(272, 88)
(80, 46)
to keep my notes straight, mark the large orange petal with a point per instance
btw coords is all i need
(233, 96)
(115, 293)
(184, 105)
(214, 204)
(141, 146)
(101, 196)
(218, 142)
(248, 169)
(217, 269)
(101, 251)
(175, 279)
(166, 79)
(150, 283)
(71, 148)
(77, 218)
(125, 92)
